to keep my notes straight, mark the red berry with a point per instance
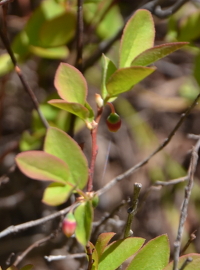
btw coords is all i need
(113, 122)
(69, 225)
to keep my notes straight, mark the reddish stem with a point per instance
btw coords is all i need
(111, 106)
(94, 150)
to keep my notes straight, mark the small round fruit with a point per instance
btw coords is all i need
(69, 224)
(113, 122)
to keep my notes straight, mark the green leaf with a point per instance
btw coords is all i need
(112, 20)
(108, 69)
(59, 30)
(43, 166)
(102, 242)
(6, 64)
(52, 53)
(27, 267)
(74, 108)
(154, 54)
(47, 10)
(189, 29)
(84, 216)
(56, 194)
(61, 145)
(138, 36)
(194, 265)
(94, 256)
(153, 256)
(70, 84)
(118, 252)
(90, 116)
(124, 79)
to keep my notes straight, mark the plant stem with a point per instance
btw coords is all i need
(132, 210)
(90, 260)
(94, 150)
(111, 106)
(21, 77)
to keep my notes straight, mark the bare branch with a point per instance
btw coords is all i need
(145, 161)
(21, 77)
(21, 227)
(184, 208)
(62, 257)
(132, 210)
(34, 245)
(186, 262)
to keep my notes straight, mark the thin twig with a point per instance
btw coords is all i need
(190, 240)
(105, 218)
(171, 182)
(94, 150)
(34, 245)
(132, 210)
(90, 260)
(158, 149)
(62, 257)
(184, 208)
(79, 35)
(22, 78)
(21, 227)
(168, 12)
(186, 262)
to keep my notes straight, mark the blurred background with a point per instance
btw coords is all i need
(149, 112)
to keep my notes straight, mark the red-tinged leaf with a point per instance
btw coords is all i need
(61, 145)
(153, 256)
(125, 78)
(154, 54)
(194, 265)
(118, 252)
(103, 241)
(70, 84)
(43, 166)
(138, 36)
(56, 194)
(94, 256)
(74, 108)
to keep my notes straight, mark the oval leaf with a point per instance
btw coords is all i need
(84, 216)
(61, 145)
(70, 84)
(102, 242)
(74, 108)
(189, 29)
(43, 166)
(138, 36)
(52, 32)
(108, 69)
(154, 54)
(52, 53)
(56, 194)
(123, 79)
(153, 256)
(194, 265)
(118, 252)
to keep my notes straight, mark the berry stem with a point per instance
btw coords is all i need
(111, 107)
